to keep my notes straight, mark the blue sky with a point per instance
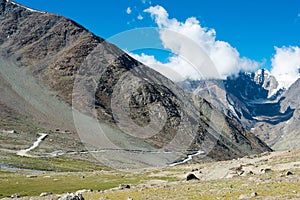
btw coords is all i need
(253, 27)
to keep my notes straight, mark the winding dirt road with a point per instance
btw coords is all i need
(24, 152)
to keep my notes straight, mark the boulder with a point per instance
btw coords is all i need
(71, 196)
(191, 176)
(124, 186)
(10, 132)
(14, 196)
(253, 194)
(289, 173)
(265, 170)
(44, 194)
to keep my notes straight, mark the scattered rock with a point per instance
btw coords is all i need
(124, 186)
(71, 196)
(240, 172)
(253, 194)
(10, 132)
(15, 196)
(44, 194)
(289, 173)
(82, 191)
(244, 196)
(248, 196)
(31, 176)
(191, 176)
(250, 172)
(266, 170)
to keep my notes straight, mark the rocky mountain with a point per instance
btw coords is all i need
(255, 101)
(51, 66)
(288, 129)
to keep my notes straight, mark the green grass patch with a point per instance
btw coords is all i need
(58, 164)
(59, 183)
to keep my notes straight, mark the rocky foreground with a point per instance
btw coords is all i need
(273, 175)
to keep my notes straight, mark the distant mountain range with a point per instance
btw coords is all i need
(256, 102)
(41, 55)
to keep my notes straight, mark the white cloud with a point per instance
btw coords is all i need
(140, 17)
(128, 10)
(177, 69)
(226, 58)
(285, 65)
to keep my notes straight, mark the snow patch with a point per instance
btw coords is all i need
(273, 92)
(256, 118)
(232, 110)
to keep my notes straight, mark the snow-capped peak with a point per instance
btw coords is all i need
(265, 71)
(264, 78)
(261, 75)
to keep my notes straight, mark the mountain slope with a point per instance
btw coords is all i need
(54, 53)
(289, 129)
(255, 102)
